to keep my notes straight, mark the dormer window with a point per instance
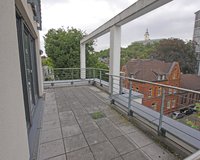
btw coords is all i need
(163, 77)
(159, 77)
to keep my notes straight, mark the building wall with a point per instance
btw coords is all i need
(173, 79)
(13, 129)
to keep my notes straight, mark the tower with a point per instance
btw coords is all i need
(146, 35)
(196, 38)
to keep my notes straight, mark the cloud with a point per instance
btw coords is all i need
(175, 19)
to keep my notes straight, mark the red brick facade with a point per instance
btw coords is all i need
(153, 94)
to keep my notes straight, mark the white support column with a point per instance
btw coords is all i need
(82, 61)
(115, 49)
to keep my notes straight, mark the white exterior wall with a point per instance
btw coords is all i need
(13, 130)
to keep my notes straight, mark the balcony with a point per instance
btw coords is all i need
(81, 120)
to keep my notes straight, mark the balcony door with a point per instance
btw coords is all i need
(28, 69)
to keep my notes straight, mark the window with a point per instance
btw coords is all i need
(150, 92)
(174, 91)
(154, 106)
(168, 104)
(137, 89)
(173, 103)
(163, 77)
(185, 98)
(159, 91)
(174, 76)
(159, 77)
(170, 91)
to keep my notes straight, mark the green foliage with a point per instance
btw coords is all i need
(97, 115)
(47, 62)
(137, 51)
(63, 47)
(170, 50)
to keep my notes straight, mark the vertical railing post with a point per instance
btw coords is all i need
(100, 77)
(94, 74)
(161, 111)
(111, 89)
(129, 97)
(120, 85)
(72, 74)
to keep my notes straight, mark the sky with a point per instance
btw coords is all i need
(175, 19)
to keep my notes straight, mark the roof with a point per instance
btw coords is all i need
(148, 69)
(190, 81)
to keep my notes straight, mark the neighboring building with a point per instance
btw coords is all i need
(21, 78)
(196, 38)
(154, 71)
(192, 82)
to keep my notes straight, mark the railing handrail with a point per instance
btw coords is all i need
(157, 84)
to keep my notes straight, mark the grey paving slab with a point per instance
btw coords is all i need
(81, 154)
(62, 157)
(118, 158)
(123, 145)
(51, 149)
(94, 136)
(88, 127)
(140, 138)
(103, 122)
(66, 115)
(109, 138)
(50, 117)
(50, 125)
(111, 132)
(117, 119)
(50, 135)
(127, 128)
(157, 153)
(135, 155)
(104, 151)
(68, 122)
(71, 130)
(75, 143)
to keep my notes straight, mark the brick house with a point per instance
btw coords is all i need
(154, 71)
(192, 82)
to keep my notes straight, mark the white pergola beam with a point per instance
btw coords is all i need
(136, 10)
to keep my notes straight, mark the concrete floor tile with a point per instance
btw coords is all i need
(118, 158)
(104, 151)
(140, 138)
(75, 143)
(88, 127)
(51, 149)
(94, 136)
(71, 130)
(157, 153)
(123, 145)
(82, 154)
(135, 155)
(50, 135)
(68, 122)
(62, 157)
(111, 132)
(50, 125)
(127, 128)
(50, 117)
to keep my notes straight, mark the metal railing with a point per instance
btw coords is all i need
(56, 75)
(167, 109)
(161, 106)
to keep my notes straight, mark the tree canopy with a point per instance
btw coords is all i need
(170, 50)
(63, 47)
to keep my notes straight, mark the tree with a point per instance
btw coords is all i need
(63, 47)
(47, 62)
(170, 50)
